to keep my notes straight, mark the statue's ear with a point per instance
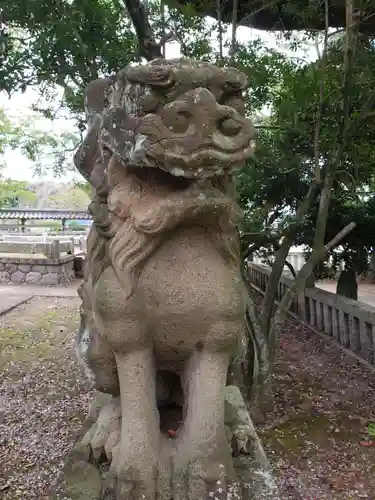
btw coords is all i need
(234, 100)
(159, 74)
(95, 98)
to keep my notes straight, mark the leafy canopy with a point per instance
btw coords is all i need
(16, 194)
(67, 43)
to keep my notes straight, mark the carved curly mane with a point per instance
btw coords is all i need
(149, 122)
(126, 242)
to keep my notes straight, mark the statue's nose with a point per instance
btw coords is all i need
(218, 118)
(228, 126)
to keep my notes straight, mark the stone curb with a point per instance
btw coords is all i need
(16, 304)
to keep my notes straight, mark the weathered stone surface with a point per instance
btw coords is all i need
(39, 269)
(80, 480)
(252, 466)
(11, 267)
(33, 277)
(25, 268)
(163, 142)
(64, 279)
(4, 277)
(50, 279)
(22, 247)
(31, 270)
(18, 277)
(347, 321)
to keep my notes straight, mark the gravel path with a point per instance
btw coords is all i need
(43, 395)
(324, 401)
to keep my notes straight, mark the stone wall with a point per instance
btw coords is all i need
(37, 271)
(76, 240)
(346, 321)
(51, 249)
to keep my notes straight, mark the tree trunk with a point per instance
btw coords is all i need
(347, 284)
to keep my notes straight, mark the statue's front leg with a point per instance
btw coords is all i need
(203, 466)
(135, 464)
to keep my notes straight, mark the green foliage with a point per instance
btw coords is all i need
(277, 179)
(74, 225)
(16, 194)
(371, 430)
(72, 197)
(45, 150)
(68, 43)
(85, 187)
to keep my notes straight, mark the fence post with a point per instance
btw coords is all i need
(82, 243)
(55, 249)
(301, 305)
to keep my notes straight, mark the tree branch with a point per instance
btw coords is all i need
(318, 121)
(342, 134)
(220, 28)
(291, 268)
(281, 255)
(148, 46)
(299, 283)
(234, 31)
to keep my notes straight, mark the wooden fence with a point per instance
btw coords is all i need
(348, 322)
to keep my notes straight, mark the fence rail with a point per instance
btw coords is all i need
(349, 322)
(53, 249)
(77, 240)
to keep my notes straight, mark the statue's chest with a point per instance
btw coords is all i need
(110, 301)
(174, 308)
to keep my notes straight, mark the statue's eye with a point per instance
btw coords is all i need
(177, 120)
(184, 113)
(149, 103)
(229, 127)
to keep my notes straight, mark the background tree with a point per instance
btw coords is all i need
(284, 162)
(73, 197)
(287, 14)
(16, 194)
(46, 150)
(68, 44)
(305, 153)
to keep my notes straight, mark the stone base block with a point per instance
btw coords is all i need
(37, 271)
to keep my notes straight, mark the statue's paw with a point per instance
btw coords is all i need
(98, 442)
(205, 480)
(130, 479)
(112, 441)
(242, 439)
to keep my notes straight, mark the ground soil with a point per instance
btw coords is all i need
(43, 395)
(324, 401)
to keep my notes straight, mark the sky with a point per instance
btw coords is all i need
(18, 167)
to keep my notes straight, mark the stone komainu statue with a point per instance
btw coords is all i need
(163, 300)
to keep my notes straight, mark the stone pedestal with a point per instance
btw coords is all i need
(81, 480)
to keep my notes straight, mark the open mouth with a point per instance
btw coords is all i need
(157, 177)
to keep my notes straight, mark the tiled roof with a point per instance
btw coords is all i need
(44, 214)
